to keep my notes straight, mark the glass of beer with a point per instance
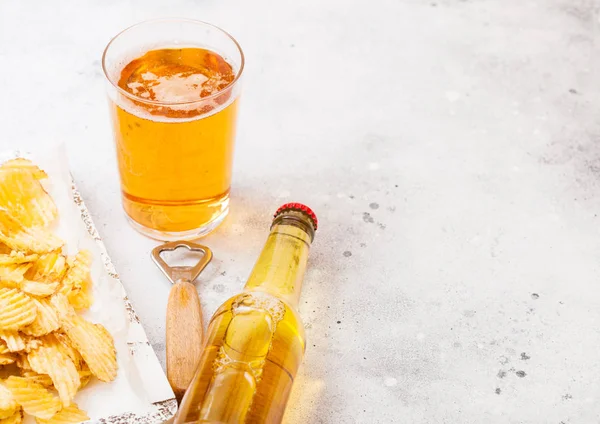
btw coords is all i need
(173, 88)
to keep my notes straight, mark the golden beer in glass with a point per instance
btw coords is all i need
(173, 91)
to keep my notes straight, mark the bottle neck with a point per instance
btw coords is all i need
(280, 268)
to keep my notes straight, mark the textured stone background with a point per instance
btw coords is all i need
(451, 150)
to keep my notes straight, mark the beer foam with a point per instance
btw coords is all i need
(129, 106)
(176, 86)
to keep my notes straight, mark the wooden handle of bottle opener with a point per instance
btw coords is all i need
(184, 336)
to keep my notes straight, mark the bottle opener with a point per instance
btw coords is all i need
(184, 315)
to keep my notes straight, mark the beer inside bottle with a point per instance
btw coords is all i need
(255, 340)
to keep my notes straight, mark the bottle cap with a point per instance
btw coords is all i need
(299, 207)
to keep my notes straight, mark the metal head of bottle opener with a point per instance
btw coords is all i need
(184, 315)
(181, 273)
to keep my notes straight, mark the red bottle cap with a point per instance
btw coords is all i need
(300, 208)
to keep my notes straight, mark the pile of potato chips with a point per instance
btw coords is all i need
(47, 351)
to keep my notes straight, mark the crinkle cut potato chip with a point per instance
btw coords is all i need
(81, 299)
(11, 275)
(8, 406)
(17, 310)
(15, 258)
(23, 363)
(16, 418)
(35, 399)
(77, 283)
(66, 346)
(49, 359)
(50, 267)
(79, 270)
(85, 376)
(44, 275)
(7, 358)
(26, 239)
(22, 164)
(68, 415)
(38, 288)
(42, 338)
(46, 320)
(22, 194)
(17, 341)
(93, 341)
(43, 379)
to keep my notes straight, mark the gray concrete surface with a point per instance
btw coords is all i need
(450, 149)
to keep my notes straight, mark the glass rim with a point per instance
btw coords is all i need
(191, 102)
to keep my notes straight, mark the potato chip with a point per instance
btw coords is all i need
(79, 269)
(35, 399)
(16, 341)
(16, 418)
(22, 164)
(22, 195)
(9, 284)
(93, 341)
(50, 267)
(66, 346)
(7, 358)
(15, 258)
(38, 288)
(85, 376)
(12, 274)
(22, 361)
(49, 359)
(81, 299)
(46, 320)
(8, 406)
(43, 379)
(77, 283)
(44, 275)
(25, 239)
(17, 310)
(68, 415)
